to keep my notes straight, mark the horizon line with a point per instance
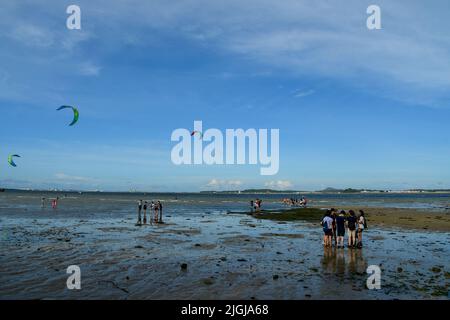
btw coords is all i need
(245, 191)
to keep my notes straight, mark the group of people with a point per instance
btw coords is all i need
(334, 225)
(255, 205)
(54, 202)
(296, 202)
(154, 214)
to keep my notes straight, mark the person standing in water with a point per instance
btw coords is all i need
(145, 212)
(340, 224)
(42, 202)
(351, 225)
(156, 211)
(333, 230)
(361, 226)
(139, 222)
(55, 203)
(251, 206)
(324, 226)
(258, 204)
(160, 211)
(151, 212)
(327, 225)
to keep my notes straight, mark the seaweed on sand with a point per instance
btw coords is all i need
(304, 214)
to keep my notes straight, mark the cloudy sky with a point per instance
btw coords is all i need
(355, 107)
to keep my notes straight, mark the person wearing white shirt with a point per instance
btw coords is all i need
(327, 224)
(361, 227)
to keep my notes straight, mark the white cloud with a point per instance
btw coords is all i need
(409, 56)
(303, 93)
(222, 184)
(70, 40)
(32, 35)
(89, 69)
(69, 178)
(278, 184)
(407, 60)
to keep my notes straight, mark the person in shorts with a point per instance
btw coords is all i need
(327, 224)
(351, 226)
(340, 229)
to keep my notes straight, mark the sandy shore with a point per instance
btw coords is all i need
(409, 219)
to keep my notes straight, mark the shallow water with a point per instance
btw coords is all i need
(228, 256)
(31, 200)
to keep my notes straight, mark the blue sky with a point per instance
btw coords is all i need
(355, 108)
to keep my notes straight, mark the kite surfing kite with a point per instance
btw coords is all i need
(76, 114)
(11, 161)
(199, 132)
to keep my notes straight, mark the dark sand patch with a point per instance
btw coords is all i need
(304, 214)
(376, 237)
(188, 231)
(382, 217)
(231, 232)
(286, 235)
(116, 229)
(158, 239)
(238, 240)
(206, 246)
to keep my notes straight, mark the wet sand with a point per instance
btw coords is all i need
(220, 256)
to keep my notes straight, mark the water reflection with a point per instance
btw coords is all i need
(343, 261)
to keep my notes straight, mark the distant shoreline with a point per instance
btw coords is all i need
(243, 192)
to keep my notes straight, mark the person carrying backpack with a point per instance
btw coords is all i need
(361, 212)
(327, 225)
